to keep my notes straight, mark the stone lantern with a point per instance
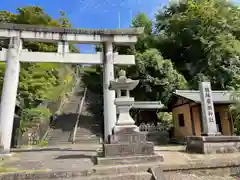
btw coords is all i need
(126, 140)
(124, 102)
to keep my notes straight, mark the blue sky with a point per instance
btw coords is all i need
(91, 13)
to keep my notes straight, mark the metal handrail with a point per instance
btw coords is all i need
(78, 117)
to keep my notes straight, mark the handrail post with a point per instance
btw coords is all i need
(78, 117)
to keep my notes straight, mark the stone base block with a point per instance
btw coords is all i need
(129, 160)
(128, 149)
(129, 129)
(211, 134)
(128, 138)
(213, 144)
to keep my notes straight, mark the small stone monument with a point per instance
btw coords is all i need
(127, 141)
(210, 141)
(208, 113)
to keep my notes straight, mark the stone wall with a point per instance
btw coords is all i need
(36, 132)
(157, 134)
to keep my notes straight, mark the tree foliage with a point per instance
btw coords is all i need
(39, 82)
(188, 42)
(157, 76)
(202, 40)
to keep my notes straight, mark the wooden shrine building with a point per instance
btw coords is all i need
(187, 117)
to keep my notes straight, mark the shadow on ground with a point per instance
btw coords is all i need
(78, 156)
(65, 122)
(51, 150)
(169, 150)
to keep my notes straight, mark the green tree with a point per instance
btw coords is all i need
(157, 76)
(145, 40)
(202, 40)
(39, 82)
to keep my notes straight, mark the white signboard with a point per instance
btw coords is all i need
(208, 113)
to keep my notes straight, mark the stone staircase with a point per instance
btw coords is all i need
(89, 128)
(61, 131)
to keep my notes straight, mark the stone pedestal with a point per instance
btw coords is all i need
(127, 147)
(213, 144)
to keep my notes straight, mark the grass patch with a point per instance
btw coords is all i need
(6, 169)
(42, 143)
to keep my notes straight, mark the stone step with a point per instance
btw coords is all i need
(59, 137)
(156, 158)
(59, 142)
(120, 169)
(87, 133)
(78, 141)
(129, 176)
(56, 130)
(58, 134)
(80, 138)
(86, 137)
(86, 142)
(83, 130)
(88, 124)
(88, 129)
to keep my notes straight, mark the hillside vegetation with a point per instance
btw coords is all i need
(40, 83)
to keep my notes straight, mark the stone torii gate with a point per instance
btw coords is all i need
(15, 54)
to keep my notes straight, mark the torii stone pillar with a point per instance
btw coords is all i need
(110, 115)
(9, 92)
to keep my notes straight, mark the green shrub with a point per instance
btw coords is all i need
(43, 143)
